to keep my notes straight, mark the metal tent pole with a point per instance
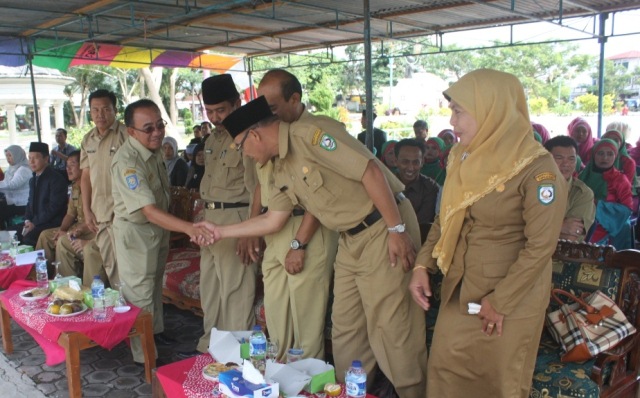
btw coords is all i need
(367, 76)
(602, 40)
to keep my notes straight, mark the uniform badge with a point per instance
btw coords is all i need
(546, 194)
(305, 170)
(500, 188)
(328, 143)
(208, 151)
(545, 176)
(131, 178)
(316, 137)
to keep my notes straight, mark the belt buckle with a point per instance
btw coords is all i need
(211, 205)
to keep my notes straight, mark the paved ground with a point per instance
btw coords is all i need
(110, 374)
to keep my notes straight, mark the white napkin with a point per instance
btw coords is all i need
(474, 308)
(251, 374)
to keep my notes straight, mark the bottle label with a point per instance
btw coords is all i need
(355, 388)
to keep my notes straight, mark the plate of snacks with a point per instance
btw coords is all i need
(211, 371)
(34, 294)
(64, 309)
(4, 264)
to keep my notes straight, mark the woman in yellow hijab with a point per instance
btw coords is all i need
(502, 207)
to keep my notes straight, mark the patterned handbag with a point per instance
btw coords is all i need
(587, 327)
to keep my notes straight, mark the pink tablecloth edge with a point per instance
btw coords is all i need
(54, 353)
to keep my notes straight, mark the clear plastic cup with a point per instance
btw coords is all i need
(294, 354)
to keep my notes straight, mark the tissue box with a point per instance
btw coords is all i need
(110, 297)
(233, 385)
(227, 346)
(24, 249)
(56, 283)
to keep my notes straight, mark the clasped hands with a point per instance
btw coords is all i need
(204, 233)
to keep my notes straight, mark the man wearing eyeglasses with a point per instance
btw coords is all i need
(227, 271)
(142, 223)
(97, 150)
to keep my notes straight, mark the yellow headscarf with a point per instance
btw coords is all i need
(501, 148)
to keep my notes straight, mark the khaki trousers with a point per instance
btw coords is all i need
(106, 245)
(46, 243)
(142, 255)
(374, 317)
(81, 265)
(227, 287)
(296, 305)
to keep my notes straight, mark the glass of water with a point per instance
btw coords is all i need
(272, 349)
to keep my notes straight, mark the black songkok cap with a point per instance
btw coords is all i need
(247, 115)
(40, 147)
(219, 88)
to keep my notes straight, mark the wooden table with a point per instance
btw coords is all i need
(74, 342)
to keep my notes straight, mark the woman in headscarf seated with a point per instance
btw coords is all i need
(433, 166)
(449, 138)
(15, 185)
(542, 132)
(580, 131)
(623, 162)
(177, 168)
(388, 155)
(612, 193)
(196, 170)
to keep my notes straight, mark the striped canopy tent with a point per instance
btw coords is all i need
(61, 55)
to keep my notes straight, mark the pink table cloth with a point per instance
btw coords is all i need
(14, 273)
(184, 379)
(46, 329)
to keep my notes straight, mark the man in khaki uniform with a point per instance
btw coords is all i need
(227, 269)
(298, 262)
(97, 150)
(142, 224)
(581, 210)
(56, 242)
(337, 180)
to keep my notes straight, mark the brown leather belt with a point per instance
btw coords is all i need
(224, 205)
(372, 218)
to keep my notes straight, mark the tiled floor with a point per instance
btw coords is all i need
(110, 374)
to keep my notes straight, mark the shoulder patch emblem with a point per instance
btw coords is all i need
(545, 176)
(328, 143)
(316, 137)
(131, 178)
(546, 194)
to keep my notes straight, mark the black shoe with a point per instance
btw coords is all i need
(187, 354)
(163, 339)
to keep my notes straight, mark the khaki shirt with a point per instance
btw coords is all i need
(74, 208)
(580, 203)
(228, 176)
(320, 167)
(96, 153)
(139, 179)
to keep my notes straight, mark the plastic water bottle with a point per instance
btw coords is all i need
(356, 380)
(258, 348)
(42, 278)
(97, 291)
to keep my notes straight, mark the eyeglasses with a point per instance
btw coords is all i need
(160, 126)
(239, 146)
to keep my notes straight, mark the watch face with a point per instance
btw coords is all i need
(295, 244)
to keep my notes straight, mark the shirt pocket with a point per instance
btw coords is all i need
(319, 191)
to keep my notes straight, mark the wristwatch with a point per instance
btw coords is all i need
(398, 229)
(297, 245)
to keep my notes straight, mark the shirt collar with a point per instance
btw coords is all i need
(144, 152)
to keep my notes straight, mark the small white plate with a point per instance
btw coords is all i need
(122, 309)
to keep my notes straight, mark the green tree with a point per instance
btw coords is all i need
(616, 78)
(538, 105)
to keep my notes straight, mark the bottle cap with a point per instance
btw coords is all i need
(356, 364)
(257, 327)
(96, 277)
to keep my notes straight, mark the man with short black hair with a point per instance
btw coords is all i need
(581, 210)
(47, 195)
(60, 152)
(379, 136)
(98, 147)
(421, 130)
(423, 192)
